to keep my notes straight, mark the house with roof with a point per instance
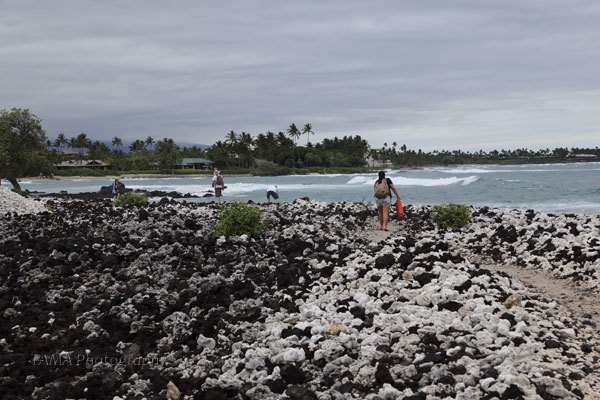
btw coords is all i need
(89, 164)
(195, 163)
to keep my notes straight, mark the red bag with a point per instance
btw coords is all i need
(400, 209)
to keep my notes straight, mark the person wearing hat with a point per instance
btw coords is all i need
(218, 184)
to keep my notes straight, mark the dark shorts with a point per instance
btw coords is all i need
(218, 192)
(272, 194)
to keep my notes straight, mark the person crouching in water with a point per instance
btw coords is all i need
(383, 193)
(115, 189)
(218, 184)
(273, 191)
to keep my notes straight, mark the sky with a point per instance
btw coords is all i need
(463, 74)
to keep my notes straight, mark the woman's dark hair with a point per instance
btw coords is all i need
(381, 176)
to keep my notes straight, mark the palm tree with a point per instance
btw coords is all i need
(293, 132)
(281, 139)
(219, 152)
(60, 141)
(136, 146)
(271, 143)
(231, 140)
(168, 153)
(245, 143)
(80, 142)
(116, 141)
(149, 142)
(308, 131)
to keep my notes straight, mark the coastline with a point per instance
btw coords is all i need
(370, 170)
(122, 177)
(552, 189)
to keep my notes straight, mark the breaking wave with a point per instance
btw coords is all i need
(402, 181)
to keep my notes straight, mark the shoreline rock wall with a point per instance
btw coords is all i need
(121, 302)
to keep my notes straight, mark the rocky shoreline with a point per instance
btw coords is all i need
(101, 302)
(105, 192)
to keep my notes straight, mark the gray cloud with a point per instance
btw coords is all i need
(434, 74)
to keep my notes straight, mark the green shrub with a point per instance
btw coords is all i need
(131, 200)
(278, 171)
(450, 215)
(238, 218)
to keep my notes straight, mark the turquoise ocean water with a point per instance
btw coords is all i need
(553, 188)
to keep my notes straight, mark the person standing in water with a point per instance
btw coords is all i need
(273, 191)
(218, 184)
(383, 193)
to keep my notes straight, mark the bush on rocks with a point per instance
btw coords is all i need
(450, 215)
(131, 200)
(237, 218)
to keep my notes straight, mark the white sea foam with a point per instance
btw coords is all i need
(468, 171)
(434, 182)
(488, 171)
(360, 180)
(470, 179)
(403, 181)
(171, 178)
(232, 188)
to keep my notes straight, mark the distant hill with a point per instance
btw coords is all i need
(189, 144)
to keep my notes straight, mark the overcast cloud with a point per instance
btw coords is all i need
(464, 74)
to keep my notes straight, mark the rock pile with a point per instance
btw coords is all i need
(11, 202)
(566, 245)
(110, 303)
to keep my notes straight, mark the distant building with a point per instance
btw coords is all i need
(195, 163)
(586, 156)
(372, 162)
(89, 164)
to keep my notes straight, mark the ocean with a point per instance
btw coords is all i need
(549, 188)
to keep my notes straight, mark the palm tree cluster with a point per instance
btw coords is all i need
(281, 149)
(244, 150)
(142, 155)
(412, 158)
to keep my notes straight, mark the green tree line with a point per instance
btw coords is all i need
(25, 150)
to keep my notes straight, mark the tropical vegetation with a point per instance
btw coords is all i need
(25, 150)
